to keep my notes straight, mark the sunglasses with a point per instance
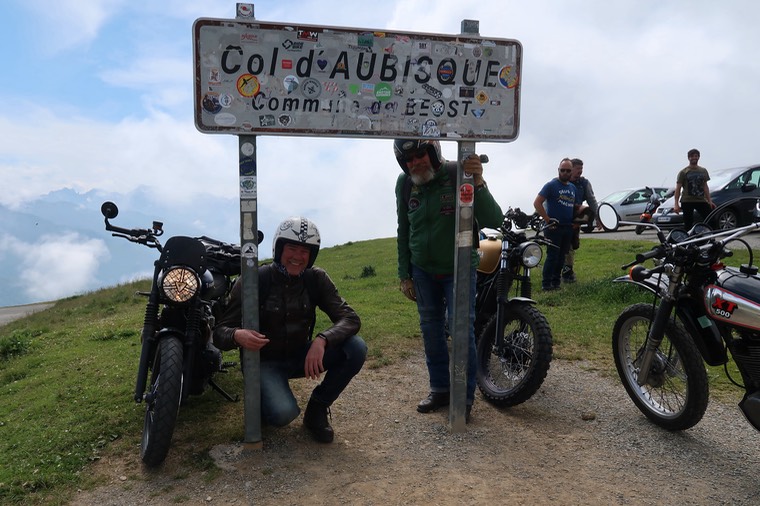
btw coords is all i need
(420, 153)
(565, 170)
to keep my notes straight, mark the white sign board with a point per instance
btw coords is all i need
(256, 78)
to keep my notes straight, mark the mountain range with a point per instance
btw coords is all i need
(56, 245)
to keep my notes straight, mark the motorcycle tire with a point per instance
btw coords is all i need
(676, 393)
(162, 402)
(639, 229)
(511, 375)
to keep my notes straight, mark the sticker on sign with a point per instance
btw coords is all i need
(332, 81)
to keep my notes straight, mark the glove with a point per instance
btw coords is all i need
(407, 288)
(472, 165)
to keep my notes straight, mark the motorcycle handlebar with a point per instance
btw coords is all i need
(655, 252)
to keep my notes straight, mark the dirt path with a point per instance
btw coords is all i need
(579, 441)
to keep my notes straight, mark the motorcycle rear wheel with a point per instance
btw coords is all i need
(676, 393)
(512, 374)
(162, 402)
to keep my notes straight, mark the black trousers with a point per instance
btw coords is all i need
(688, 209)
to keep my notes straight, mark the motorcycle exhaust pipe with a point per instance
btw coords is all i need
(750, 407)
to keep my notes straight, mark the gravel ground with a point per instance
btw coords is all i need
(578, 441)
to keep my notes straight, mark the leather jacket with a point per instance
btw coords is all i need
(287, 314)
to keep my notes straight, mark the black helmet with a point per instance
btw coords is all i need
(405, 147)
(296, 230)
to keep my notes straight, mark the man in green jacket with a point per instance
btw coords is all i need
(426, 196)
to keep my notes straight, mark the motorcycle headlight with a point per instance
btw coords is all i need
(530, 254)
(179, 284)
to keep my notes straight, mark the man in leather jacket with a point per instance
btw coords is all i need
(284, 340)
(426, 249)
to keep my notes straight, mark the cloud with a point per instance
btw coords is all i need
(67, 24)
(56, 267)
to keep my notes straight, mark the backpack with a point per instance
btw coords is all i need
(265, 283)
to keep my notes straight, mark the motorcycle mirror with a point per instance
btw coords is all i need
(260, 236)
(109, 210)
(608, 217)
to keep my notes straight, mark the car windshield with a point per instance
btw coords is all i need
(614, 198)
(721, 178)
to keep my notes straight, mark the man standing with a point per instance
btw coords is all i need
(555, 203)
(426, 196)
(584, 216)
(692, 179)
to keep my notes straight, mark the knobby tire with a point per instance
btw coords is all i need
(161, 413)
(512, 375)
(676, 393)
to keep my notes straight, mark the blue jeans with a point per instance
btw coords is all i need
(562, 237)
(278, 404)
(433, 291)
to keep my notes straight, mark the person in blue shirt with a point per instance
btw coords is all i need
(584, 216)
(555, 203)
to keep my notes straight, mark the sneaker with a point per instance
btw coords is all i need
(316, 420)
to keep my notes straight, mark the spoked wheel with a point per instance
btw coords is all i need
(676, 392)
(511, 374)
(162, 402)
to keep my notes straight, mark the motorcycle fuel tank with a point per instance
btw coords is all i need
(489, 252)
(735, 299)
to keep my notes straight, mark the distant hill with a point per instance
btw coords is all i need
(56, 246)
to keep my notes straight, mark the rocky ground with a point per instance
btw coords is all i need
(579, 441)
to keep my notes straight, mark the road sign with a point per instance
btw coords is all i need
(257, 78)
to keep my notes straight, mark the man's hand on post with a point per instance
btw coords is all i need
(472, 165)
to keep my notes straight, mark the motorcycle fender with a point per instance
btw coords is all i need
(648, 285)
(520, 300)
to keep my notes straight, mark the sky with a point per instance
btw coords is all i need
(99, 95)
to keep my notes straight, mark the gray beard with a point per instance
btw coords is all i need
(424, 178)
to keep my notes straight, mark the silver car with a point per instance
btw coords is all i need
(630, 203)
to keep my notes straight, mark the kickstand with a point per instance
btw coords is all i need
(222, 392)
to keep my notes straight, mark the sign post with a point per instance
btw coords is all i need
(258, 78)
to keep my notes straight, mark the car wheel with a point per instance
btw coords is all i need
(727, 220)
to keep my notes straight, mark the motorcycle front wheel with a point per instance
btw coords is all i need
(162, 402)
(510, 374)
(676, 393)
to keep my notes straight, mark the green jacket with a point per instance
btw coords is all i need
(426, 224)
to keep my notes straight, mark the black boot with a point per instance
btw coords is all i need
(315, 419)
(433, 401)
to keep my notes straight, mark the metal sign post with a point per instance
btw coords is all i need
(249, 271)
(255, 78)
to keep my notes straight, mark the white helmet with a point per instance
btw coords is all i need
(296, 230)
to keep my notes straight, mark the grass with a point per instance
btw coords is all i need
(67, 373)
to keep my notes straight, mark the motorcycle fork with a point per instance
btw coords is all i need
(147, 338)
(503, 285)
(657, 329)
(191, 344)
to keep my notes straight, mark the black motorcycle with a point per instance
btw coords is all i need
(701, 310)
(191, 281)
(514, 340)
